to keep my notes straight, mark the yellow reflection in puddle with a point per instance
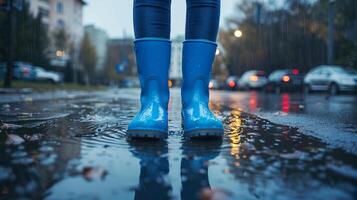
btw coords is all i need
(235, 130)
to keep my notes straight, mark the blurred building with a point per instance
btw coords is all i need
(99, 39)
(42, 7)
(58, 14)
(176, 60)
(120, 61)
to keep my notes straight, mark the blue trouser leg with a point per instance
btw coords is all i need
(202, 19)
(152, 19)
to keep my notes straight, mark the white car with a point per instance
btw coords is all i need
(333, 79)
(43, 75)
(214, 84)
(253, 79)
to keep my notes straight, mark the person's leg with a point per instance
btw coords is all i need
(152, 18)
(202, 19)
(153, 51)
(198, 55)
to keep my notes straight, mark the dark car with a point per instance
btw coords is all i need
(285, 80)
(253, 79)
(21, 71)
(232, 83)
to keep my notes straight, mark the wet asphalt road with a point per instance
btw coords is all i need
(332, 119)
(75, 148)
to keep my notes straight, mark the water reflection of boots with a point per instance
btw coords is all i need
(194, 166)
(154, 168)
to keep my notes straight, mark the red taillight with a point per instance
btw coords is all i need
(231, 84)
(295, 71)
(26, 71)
(286, 78)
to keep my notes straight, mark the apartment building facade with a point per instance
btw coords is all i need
(57, 14)
(99, 39)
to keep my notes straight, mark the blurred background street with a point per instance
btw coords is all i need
(284, 82)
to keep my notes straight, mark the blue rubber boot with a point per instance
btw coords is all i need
(153, 61)
(198, 120)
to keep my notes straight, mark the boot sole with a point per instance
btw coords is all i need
(204, 133)
(146, 134)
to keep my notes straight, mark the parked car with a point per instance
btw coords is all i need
(285, 80)
(253, 79)
(21, 71)
(232, 83)
(47, 76)
(333, 79)
(214, 84)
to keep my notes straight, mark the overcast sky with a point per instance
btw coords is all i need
(115, 16)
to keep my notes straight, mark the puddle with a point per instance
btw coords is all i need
(76, 149)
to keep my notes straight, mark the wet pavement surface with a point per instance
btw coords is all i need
(75, 148)
(333, 119)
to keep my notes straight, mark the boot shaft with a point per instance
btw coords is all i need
(198, 57)
(153, 61)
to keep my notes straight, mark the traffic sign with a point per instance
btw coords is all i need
(121, 67)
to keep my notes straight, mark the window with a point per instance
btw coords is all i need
(46, 26)
(325, 72)
(60, 7)
(60, 23)
(316, 70)
(44, 12)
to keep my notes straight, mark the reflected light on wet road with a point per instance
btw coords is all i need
(285, 103)
(234, 130)
(253, 102)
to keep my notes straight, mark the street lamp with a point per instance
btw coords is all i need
(60, 53)
(238, 33)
